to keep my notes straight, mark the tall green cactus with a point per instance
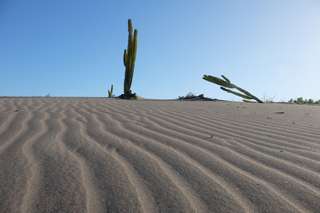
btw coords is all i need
(129, 59)
(227, 86)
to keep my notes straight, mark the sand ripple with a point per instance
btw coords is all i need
(96, 155)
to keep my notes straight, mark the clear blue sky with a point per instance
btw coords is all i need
(75, 47)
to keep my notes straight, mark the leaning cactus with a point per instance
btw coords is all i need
(227, 86)
(129, 58)
(110, 92)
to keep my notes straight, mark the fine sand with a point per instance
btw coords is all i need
(97, 155)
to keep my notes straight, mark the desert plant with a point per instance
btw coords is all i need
(227, 86)
(192, 97)
(129, 58)
(310, 101)
(301, 100)
(110, 92)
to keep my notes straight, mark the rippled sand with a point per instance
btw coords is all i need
(97, 155)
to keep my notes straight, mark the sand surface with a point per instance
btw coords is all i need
(97, 155)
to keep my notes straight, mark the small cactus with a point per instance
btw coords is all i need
(129, 59)
(110, 92)
(227, 86)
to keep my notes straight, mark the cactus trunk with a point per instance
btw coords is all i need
(129, 58)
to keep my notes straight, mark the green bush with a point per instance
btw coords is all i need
(301, 100)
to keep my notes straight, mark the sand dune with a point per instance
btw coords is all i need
(97, 155)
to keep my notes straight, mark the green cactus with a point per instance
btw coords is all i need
(129, 58)
(110, 92)
(227, 86)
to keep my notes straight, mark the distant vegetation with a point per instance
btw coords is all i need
(301, 100)
(129, 60)
(110, 92)
(227, 86)
(192, 97)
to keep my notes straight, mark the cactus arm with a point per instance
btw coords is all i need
(217, 80)
(135, 43)
(247, 101)
(236, 93)
(249, 94)
(226, 79)
(125, 58)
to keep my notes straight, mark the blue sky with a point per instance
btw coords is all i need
(75, 47)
